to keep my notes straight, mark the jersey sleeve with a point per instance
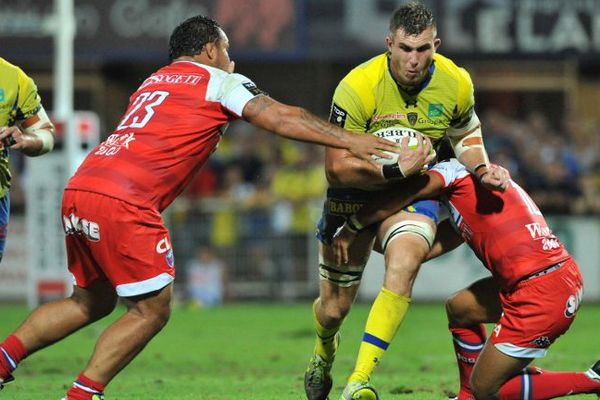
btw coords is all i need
(465, 101)
(233, 91)
(353, 103)
(28, 101)
(450, 170)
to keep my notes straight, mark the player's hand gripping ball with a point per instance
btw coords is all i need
(396, 134)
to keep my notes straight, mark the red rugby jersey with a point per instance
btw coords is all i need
(506, 231)
(173, 123)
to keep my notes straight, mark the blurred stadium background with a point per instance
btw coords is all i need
(246, 224)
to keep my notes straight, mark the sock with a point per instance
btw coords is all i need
(385, 317)
(325, 344)
(12, 352)
(539, 384)
(468, 343)
(84, 388)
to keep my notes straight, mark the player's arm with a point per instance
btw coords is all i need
(299, 124)
(342, 169)
(33, 133)
(386, 204)
(33, 136)
(466, 137)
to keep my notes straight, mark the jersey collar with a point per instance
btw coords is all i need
(416, 90)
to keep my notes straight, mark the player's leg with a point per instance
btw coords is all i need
(536, 312)
(405, 239)
(130, 246)
(492, 369)
(337, 288)
(54, 321)
(4, 218)
(467, 311)
(146, 315)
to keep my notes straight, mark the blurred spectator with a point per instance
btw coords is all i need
(555, 167)
(206, 281)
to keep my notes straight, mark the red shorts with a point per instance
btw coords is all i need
(537, 311)
(109, 239)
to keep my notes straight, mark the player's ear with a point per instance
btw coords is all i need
(436, 43)
(211, 50)
(388, 42)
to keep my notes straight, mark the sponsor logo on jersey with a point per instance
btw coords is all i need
(412, 118)
(338, 207)
(430, 121)
(497, 329)
(573, 303)
(73, 224)
(435, 110)
(338, 115)
(163, 245)
(542, 342)
(539, 232)
(170, 258)
(395, 116)
(465, 359)
(114, 143)
(251, 87)
(1, 94)
(183, 79)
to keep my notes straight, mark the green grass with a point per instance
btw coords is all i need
(259, 352)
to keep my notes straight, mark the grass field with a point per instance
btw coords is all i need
(259, 352)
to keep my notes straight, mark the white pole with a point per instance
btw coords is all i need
(64, 36)
(47, 262)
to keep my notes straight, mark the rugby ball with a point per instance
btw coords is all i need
(396, 134)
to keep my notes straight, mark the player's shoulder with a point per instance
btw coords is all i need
(368, 73)
(446, 66)
(10, 71)
(212, 76)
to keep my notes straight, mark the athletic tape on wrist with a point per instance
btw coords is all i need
(392, 171)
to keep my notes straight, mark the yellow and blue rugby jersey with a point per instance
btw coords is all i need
(368, 99)
(19, 100)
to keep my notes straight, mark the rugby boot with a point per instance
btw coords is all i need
(8, 379)
(358, 390)
(317, 379)
(594, 371)
(94, 397)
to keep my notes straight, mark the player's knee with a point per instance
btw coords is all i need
(336, 310)
(459, 315)
(96, 301)
(454, 311)
(154, 308)
(415, 236)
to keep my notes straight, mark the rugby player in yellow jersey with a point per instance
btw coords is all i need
(24, 126)
(411, 86)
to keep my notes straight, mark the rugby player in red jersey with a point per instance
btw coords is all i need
(117, 242)
(532, 296)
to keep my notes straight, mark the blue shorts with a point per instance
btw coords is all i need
(4, 217)
(341, 203)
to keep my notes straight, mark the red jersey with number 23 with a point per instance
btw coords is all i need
(506, 231)
(173, 123)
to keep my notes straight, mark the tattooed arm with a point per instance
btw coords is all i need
(299, 124)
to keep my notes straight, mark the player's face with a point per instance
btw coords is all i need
(222, 60)
(411, 55)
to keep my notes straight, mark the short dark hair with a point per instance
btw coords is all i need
(413, 18)
(191, 35)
